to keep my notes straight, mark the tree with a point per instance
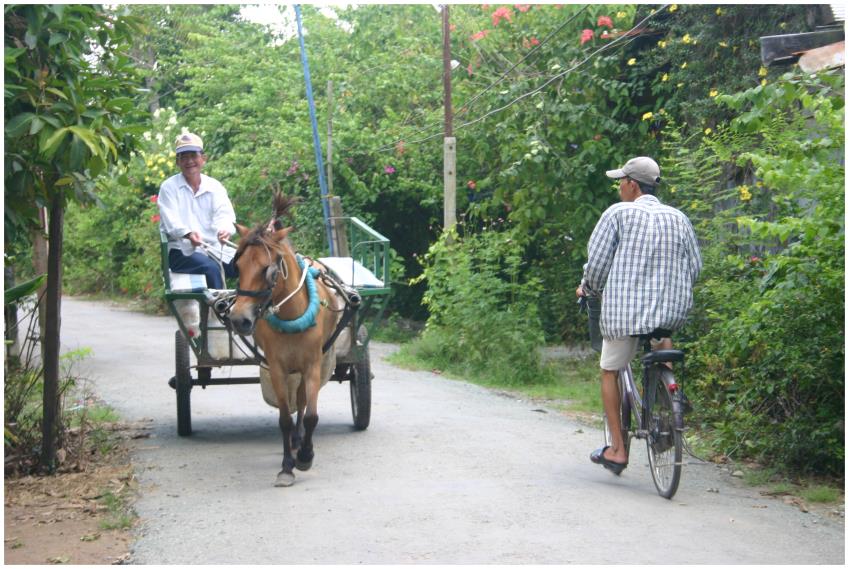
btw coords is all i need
(68, 98)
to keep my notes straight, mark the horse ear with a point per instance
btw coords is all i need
(242, 230)
(281, 234)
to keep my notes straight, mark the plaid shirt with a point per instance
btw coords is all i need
(644, 257)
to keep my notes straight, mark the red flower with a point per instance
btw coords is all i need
(534, 41)
(605, 21)
(154, 218)
(472, 185)
(586, 36)
(469, 70)
(522, 7)
(154, 198)
(502, 13)
(452, 27)
(480, 35)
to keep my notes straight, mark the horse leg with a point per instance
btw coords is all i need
(312, 379)
(298, 435)
(285, 477)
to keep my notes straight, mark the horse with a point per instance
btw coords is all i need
(273, 289)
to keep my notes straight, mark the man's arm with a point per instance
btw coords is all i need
(170, 216)
(600, 253)
(693, 255)
(224, 217)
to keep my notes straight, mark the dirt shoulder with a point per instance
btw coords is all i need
(81, 515)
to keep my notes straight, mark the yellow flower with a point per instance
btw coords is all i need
(662, 111)
(632, 61)
(679, 85)
(713, 93)
(745, 195)
(665, 77)
(621, 15)
(661, 44)
(684, 65)
(719, 11)
(647, 116)
(763, 82)
(673, 7)
(686, 38)
(723, 44)
(672, 190)
(782, 25)
(708, 131)
(762, 71)
(759, 184)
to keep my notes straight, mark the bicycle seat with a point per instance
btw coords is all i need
(661, 356)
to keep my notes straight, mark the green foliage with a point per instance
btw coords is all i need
(67, 102)
(483, 304)
(821, 494)
(767, 334)
(113, 247)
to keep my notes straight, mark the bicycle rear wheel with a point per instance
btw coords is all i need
(665, 433)
(624, 417)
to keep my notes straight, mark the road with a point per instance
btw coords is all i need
(447, 473)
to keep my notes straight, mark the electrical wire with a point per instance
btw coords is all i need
(466, 106)
(551, 80)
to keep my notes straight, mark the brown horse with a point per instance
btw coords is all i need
(273, 289)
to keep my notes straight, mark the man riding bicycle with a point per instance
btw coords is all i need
(643, 259)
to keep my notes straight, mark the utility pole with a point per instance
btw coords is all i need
(450, 143)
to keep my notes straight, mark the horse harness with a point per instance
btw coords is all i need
(310, 274)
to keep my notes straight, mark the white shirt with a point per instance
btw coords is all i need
(181, 211)
(645, 258)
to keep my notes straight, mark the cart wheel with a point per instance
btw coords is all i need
(183, 385)
(360, 384)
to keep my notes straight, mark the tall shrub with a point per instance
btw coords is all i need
(767, 337)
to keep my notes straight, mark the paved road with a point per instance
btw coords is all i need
(447, 473)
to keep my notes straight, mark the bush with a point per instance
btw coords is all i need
(483, 305)
(768, 337)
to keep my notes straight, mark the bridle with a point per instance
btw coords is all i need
(271, 279)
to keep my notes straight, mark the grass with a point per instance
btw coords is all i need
(572, 385)
(821, 494)
(119, 515)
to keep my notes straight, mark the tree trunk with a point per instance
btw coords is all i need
(51, 420)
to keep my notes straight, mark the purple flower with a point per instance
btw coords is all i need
(389, 169)
(293, 168)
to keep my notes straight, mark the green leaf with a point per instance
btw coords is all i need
(88, 137)
(56, 39)
(22, 290)
(19, 124)
(52, 144)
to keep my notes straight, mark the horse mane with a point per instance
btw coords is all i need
(260, 234)
(281, 206)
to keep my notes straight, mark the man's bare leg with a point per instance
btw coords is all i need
(610, 399)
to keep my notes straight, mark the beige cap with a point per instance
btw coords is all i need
(188, 142)
(642, 168)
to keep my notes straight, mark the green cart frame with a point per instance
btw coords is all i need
(368, 247)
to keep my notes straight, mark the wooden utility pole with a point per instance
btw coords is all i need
(450, 143)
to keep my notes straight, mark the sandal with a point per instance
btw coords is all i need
(597, 457)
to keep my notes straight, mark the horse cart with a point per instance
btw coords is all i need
(204, 330)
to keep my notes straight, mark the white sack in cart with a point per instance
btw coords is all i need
(342, 345)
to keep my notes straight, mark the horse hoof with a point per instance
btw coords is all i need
(284, 479)
(303, 464)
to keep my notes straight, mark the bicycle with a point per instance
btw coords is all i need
(657, 405)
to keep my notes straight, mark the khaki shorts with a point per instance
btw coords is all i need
(617, 353)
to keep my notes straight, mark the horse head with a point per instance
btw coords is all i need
(261, 259)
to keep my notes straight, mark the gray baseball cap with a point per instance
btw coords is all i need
(642, 168)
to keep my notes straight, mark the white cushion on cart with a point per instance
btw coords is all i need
(184, 282)
(352, 272)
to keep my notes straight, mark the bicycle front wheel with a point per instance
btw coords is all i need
(665, 433)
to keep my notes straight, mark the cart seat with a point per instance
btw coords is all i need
(184, 282)
(352, 272)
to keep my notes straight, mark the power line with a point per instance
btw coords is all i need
(551, 80)
(503, 76)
